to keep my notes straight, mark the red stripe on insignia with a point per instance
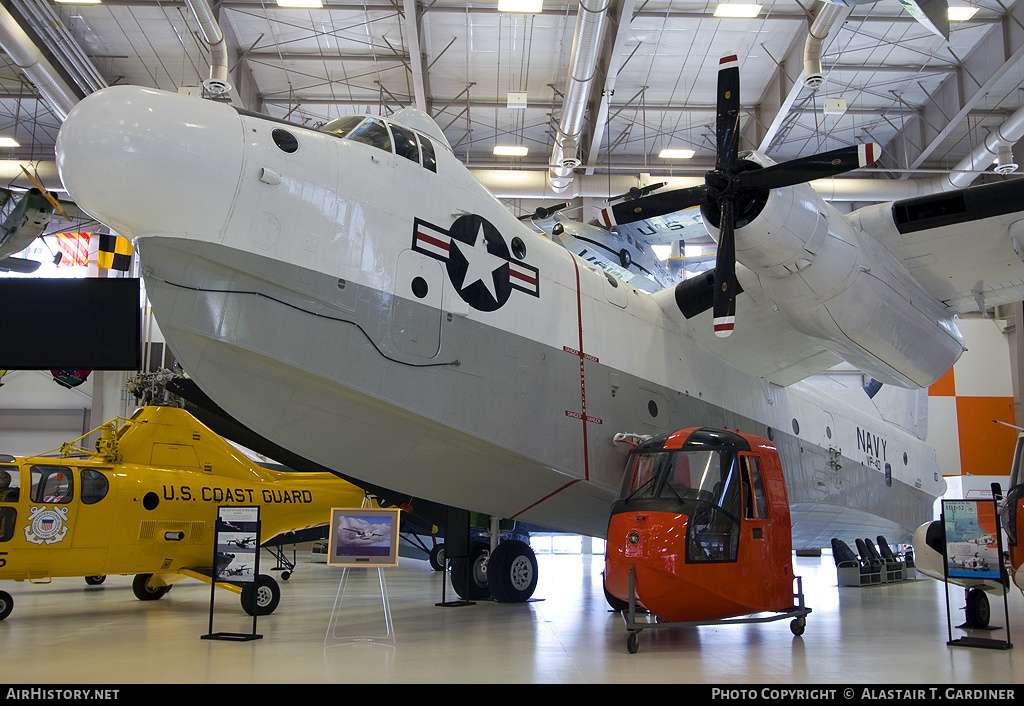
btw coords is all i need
(728, 59)
(432, 240)
(513, 272)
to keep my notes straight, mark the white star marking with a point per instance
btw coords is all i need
(482, 264)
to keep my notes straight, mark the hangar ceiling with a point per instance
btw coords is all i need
(644, 77)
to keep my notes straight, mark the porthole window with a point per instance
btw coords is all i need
(905, 459)
(285, 140)
(419, 287)
(652, 408)
(518, 248)
(796, 427)
(888, 476)
(828, 432)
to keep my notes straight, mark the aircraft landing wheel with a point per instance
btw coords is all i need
(477, 587)
(625, 258)
(437, 557)
(977, 609)
(142, 591)
(285, 575)
(633, 642)
(268, 595)
(616, 604)
(95, 580)
(6, 604)
(512, 572)
(797, 626)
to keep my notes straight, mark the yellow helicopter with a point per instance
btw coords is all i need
(145, 502)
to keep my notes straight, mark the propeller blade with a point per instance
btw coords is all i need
(724, 301)
(727, 132)
(636, 192)
(804, 169)
(543, 213)
(653, 205)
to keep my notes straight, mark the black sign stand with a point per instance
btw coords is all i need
(236, 548)
(963, 528)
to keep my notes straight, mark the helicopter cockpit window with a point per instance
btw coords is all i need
(372, 132)
(94, 486)
(52, 484)
(10, 484)
(755, 504)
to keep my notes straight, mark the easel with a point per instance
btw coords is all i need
(349, 576)
(236, 521)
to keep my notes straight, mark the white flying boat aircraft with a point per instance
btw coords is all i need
(354, 295)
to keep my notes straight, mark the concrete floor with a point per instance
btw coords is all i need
(68, 633)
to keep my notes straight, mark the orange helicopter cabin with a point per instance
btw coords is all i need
(702, 517)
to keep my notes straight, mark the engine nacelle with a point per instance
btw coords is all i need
(837, 284)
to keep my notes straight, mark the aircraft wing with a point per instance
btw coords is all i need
(19, 265)
(685, 225)
(965, 247)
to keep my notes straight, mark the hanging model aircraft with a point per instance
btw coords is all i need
(145, 503)
(626, 251)
(355, 296)
(26, 220)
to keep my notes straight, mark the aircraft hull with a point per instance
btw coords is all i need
(340, 374)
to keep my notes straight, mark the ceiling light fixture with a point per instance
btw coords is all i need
(510, 151)
(961, 13)
(737, 9)
(531, 6)
(9, 142)
(310, 4)
(676, 154)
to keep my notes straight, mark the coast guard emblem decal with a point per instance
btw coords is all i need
(480, 265)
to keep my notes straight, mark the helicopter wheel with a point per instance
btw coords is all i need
(797, 626)
(6, 604)
(268, 595)
(633, 642)
(978, 612)
(625, 258)
(142, 591)
(95, 580)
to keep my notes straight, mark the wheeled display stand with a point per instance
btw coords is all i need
(798, 613)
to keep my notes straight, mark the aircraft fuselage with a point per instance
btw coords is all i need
(397, 323)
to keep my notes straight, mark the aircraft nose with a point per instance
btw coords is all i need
(146, 161)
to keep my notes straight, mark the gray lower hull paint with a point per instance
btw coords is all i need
(441, 407)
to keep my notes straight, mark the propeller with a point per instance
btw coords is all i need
(734, 187)
(636, 192)
(544, 213)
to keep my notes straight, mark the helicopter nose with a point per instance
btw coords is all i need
(146, 161)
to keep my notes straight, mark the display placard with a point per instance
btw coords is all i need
(972, 539)
(363, 537)
(237, 544)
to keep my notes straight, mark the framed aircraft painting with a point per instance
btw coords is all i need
(363, 537)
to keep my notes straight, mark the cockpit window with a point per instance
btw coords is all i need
(405, 144)
(52, 484)
(703, 484)
(429, 158)
(343, 126)
(372, 132)
(10, 484)
(683, 475)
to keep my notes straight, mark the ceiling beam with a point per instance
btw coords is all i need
(1001, 50)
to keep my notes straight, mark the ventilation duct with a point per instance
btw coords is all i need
(582, 67)
(218, 82)
(24, 53)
